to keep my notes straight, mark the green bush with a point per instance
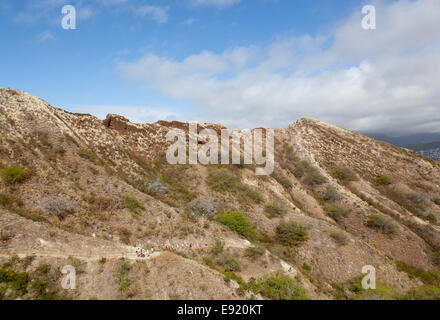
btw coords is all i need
(254, 252)
(133, 204)
(337, 213)
(283, 180)
(339, 237)
(424, 293)
(228, 263)
(36, 218)
(314, 177)
(15, 282)
(306, 267)
(222, 180)
(352, 290)
(384, 180)
(22, 285)
(431, 277)
(89, 154)
(250, 192)
(431, 218)
(121, 276)
(382, 223)
(301, 168)
(79, 265)
(6, 201)
(218, 247)
(279, 286)
(291, 233)
(240, 223)
(345, 174)
(13, 175)
(275, 209)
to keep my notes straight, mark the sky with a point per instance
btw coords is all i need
(242, 63)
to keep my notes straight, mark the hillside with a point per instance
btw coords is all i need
(78, 190)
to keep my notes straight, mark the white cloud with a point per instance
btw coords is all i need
(159, 14)
(50, 10)
(189, 22)
(45, 36)
(215, 3)
(383, 80)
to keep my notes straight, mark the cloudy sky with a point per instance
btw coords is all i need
(243, 63)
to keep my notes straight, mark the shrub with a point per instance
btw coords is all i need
(218, 247)
(36, 218)
(89, 154)
(384, 180)
(352, 290)
(228, 263)
(331, 194)
(124, 235)
(420, 199)
(291, 233)
(283, 180)
(254, 252)
(240, 223)
(6, 201)
(208, 262)
(250, 192)
(300, 168)
(58, 205)
(275, 209)
(203, 207)
(279, 286)
(14, 282)
(13, 175)
(339, 237)
(80, 266)
(222, 180)
(427, 277)
(121, 276)
(425, 293)
(431, 218)
(124, 285)
(314, 177)
(337, 213)
(306, 267)
(382, 223)
(133, 204)
(345, 174)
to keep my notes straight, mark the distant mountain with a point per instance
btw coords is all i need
(408, 141)
(428, 150)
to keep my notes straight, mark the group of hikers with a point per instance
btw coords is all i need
(142, 253)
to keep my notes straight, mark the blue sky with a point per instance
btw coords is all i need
(243, 63)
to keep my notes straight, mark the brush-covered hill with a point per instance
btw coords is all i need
(76, 190)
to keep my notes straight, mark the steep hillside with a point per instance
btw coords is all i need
(81, 191)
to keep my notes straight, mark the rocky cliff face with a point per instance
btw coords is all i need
(93, 190)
